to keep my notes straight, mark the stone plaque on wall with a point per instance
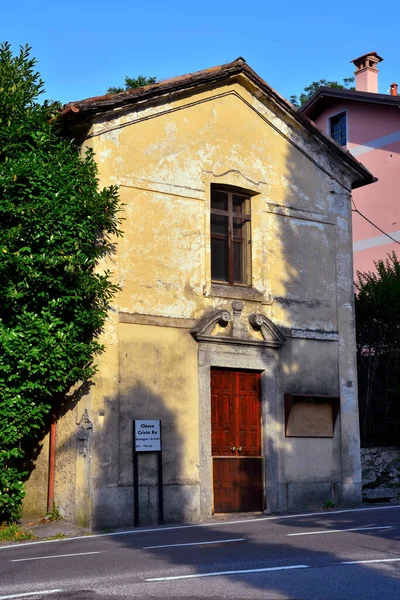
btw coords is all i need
(310, 416)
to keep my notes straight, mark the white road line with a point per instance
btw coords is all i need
(194, 544)
(42, 592)
(265, 570)
(210, 524)
(52, 556)
(337, 530)
(222, 573)
(364, 562)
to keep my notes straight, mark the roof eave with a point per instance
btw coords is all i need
(361, 182)
(329, 93)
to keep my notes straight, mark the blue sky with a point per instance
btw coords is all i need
(85, 46)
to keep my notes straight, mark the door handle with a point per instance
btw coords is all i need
(240, 449)
(233, 448)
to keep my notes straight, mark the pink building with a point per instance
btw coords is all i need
(367, 123)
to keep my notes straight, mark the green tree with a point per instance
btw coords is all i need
(55, 226)
(132, 83)
(378, 352)
(315, 85)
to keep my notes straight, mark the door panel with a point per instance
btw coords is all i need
(237, 484)
(249, 430)
(236, 440)
(221, 408)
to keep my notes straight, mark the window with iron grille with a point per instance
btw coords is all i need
(230, 237)
(338, 128)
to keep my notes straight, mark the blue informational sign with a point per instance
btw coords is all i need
(147, 435)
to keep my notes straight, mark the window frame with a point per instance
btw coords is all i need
(231, 191)
(341, 113)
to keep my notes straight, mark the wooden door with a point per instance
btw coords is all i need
(236, 440)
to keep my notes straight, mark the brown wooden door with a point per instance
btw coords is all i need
(236, 440)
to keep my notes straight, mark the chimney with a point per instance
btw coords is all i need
(366, 72)
(393, 89)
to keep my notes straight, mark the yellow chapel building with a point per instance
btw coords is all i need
(234, 320)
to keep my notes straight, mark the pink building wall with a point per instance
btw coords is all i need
(373, 137)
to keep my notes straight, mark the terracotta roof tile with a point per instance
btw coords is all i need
(175, 82)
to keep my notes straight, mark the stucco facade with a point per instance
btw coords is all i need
(170, 323)
(373, 137)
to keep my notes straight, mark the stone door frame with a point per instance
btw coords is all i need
(238, 356)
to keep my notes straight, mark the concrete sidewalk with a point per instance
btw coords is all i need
(45, 528)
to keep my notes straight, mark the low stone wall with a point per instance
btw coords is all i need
(381, 474)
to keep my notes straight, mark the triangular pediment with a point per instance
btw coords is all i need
(284, 115)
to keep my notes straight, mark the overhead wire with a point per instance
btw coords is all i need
(355, 209)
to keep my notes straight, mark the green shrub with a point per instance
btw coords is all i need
(55, 225)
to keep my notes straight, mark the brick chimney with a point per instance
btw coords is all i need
(393, 89)
(366, 72)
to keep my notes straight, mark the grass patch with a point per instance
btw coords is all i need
(57, 536)
(53, 514)
(12, 533)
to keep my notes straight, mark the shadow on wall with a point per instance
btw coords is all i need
(94, 463)
(309, 275)
(109, 477)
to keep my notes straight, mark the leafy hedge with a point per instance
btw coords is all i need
(55, 225)
(378, 353)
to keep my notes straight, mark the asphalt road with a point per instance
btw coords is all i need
(339, 555)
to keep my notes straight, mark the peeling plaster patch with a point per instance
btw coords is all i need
(312, 148)
(208, 126)
(183, 308)
(252, 170)
(206, 153)
(347, 306)
(104, 154)
(344, 256)
(110, 331)
(344, 270)
(171, 129)
(342, 229)
(106, 133)
(337, 202)
(112, 136)
(214, 114)
(347, 396)
(178, 168)
(124, 116)
(296, 190)
(169, 286)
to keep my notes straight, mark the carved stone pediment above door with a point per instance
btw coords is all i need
(230, 327)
